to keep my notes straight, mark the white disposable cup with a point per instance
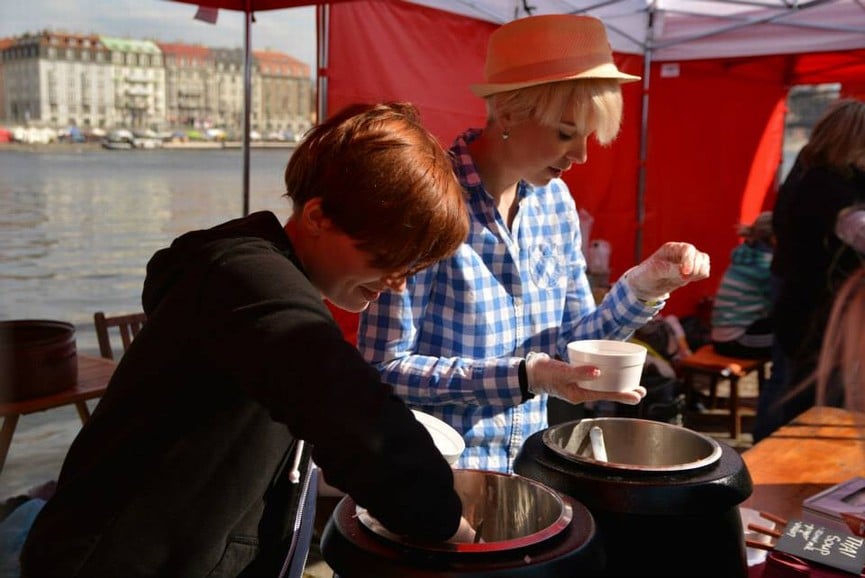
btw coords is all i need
(620, 362)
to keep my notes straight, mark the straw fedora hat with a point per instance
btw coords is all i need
(550, 48)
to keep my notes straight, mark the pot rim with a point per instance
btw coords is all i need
(564, 519)
(8, 326)
(712, 457)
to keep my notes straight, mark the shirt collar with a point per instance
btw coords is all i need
(465, 169)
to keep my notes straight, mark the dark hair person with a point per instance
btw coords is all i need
(819, 230)
(197, 459)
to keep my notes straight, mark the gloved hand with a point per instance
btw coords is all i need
(562, 380)
(850, 227)
(465, 534)
(672, 266)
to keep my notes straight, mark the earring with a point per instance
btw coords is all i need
(506, 134)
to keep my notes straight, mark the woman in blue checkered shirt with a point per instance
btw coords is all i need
(473, 339)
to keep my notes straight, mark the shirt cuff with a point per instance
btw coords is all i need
(524, 382)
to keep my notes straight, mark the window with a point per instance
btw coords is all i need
(52, 88)
(85, 88)
(805, 104)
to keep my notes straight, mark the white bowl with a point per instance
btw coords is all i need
(620, 362)
(448, 440)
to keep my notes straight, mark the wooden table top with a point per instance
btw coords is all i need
(93, 376)
(820, 448)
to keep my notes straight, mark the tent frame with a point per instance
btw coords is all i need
(778, 13)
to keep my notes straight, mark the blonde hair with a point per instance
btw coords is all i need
(596, 104)
(842, 352)
(838, 139)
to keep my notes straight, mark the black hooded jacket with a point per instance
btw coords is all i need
(179, 472)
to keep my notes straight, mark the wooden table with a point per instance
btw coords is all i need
(93, 376)
(820, 448)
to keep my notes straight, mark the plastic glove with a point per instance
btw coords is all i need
(850, 227)
(562, 380)
(672, 266)
(464, 534)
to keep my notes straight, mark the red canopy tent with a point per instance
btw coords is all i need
(702, 139)
(707, 153)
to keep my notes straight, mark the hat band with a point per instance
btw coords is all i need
(550, 68)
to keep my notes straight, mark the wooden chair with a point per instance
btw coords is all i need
(716, 367)
(127, 326)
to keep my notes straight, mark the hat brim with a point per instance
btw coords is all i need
(603, 71)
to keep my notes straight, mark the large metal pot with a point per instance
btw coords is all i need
(38, 357)
(527, 529)
(665, 499)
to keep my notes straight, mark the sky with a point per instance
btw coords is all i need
(291, 31)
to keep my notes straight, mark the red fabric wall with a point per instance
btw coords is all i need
(715, 137)
(381, 50)
(715, 127)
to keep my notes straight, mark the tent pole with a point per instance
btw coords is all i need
(247, 101)
(322, 17)
(644, 137)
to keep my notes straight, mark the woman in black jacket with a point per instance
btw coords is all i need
(811, 261)
(192, 463)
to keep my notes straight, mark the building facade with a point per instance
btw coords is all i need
(188, 73)
(138, 81)
(4, 44)
(55, 80)
(227, 83)
(286, 94)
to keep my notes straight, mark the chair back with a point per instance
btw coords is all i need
(127, 326)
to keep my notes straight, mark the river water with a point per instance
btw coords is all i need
(78, 224)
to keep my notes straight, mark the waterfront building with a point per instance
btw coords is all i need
(228, 89)
(138, 78)
(4, 44)
(188, 93)
(286, 93)
(57, 79)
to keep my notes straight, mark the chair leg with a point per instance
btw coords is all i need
(735, 424)
(762, 376)
(10, 422)
(83, 410)
(713, 390)
(690, 396)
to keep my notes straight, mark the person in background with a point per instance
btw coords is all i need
(815, 221)
(741, 323)
(474, 339)
(197, 459)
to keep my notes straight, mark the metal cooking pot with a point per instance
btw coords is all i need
(38, 357)
(526, 529)
(665, 499)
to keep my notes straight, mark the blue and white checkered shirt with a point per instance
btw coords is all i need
(452, 343)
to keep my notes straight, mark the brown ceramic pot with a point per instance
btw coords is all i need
(38, 357)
